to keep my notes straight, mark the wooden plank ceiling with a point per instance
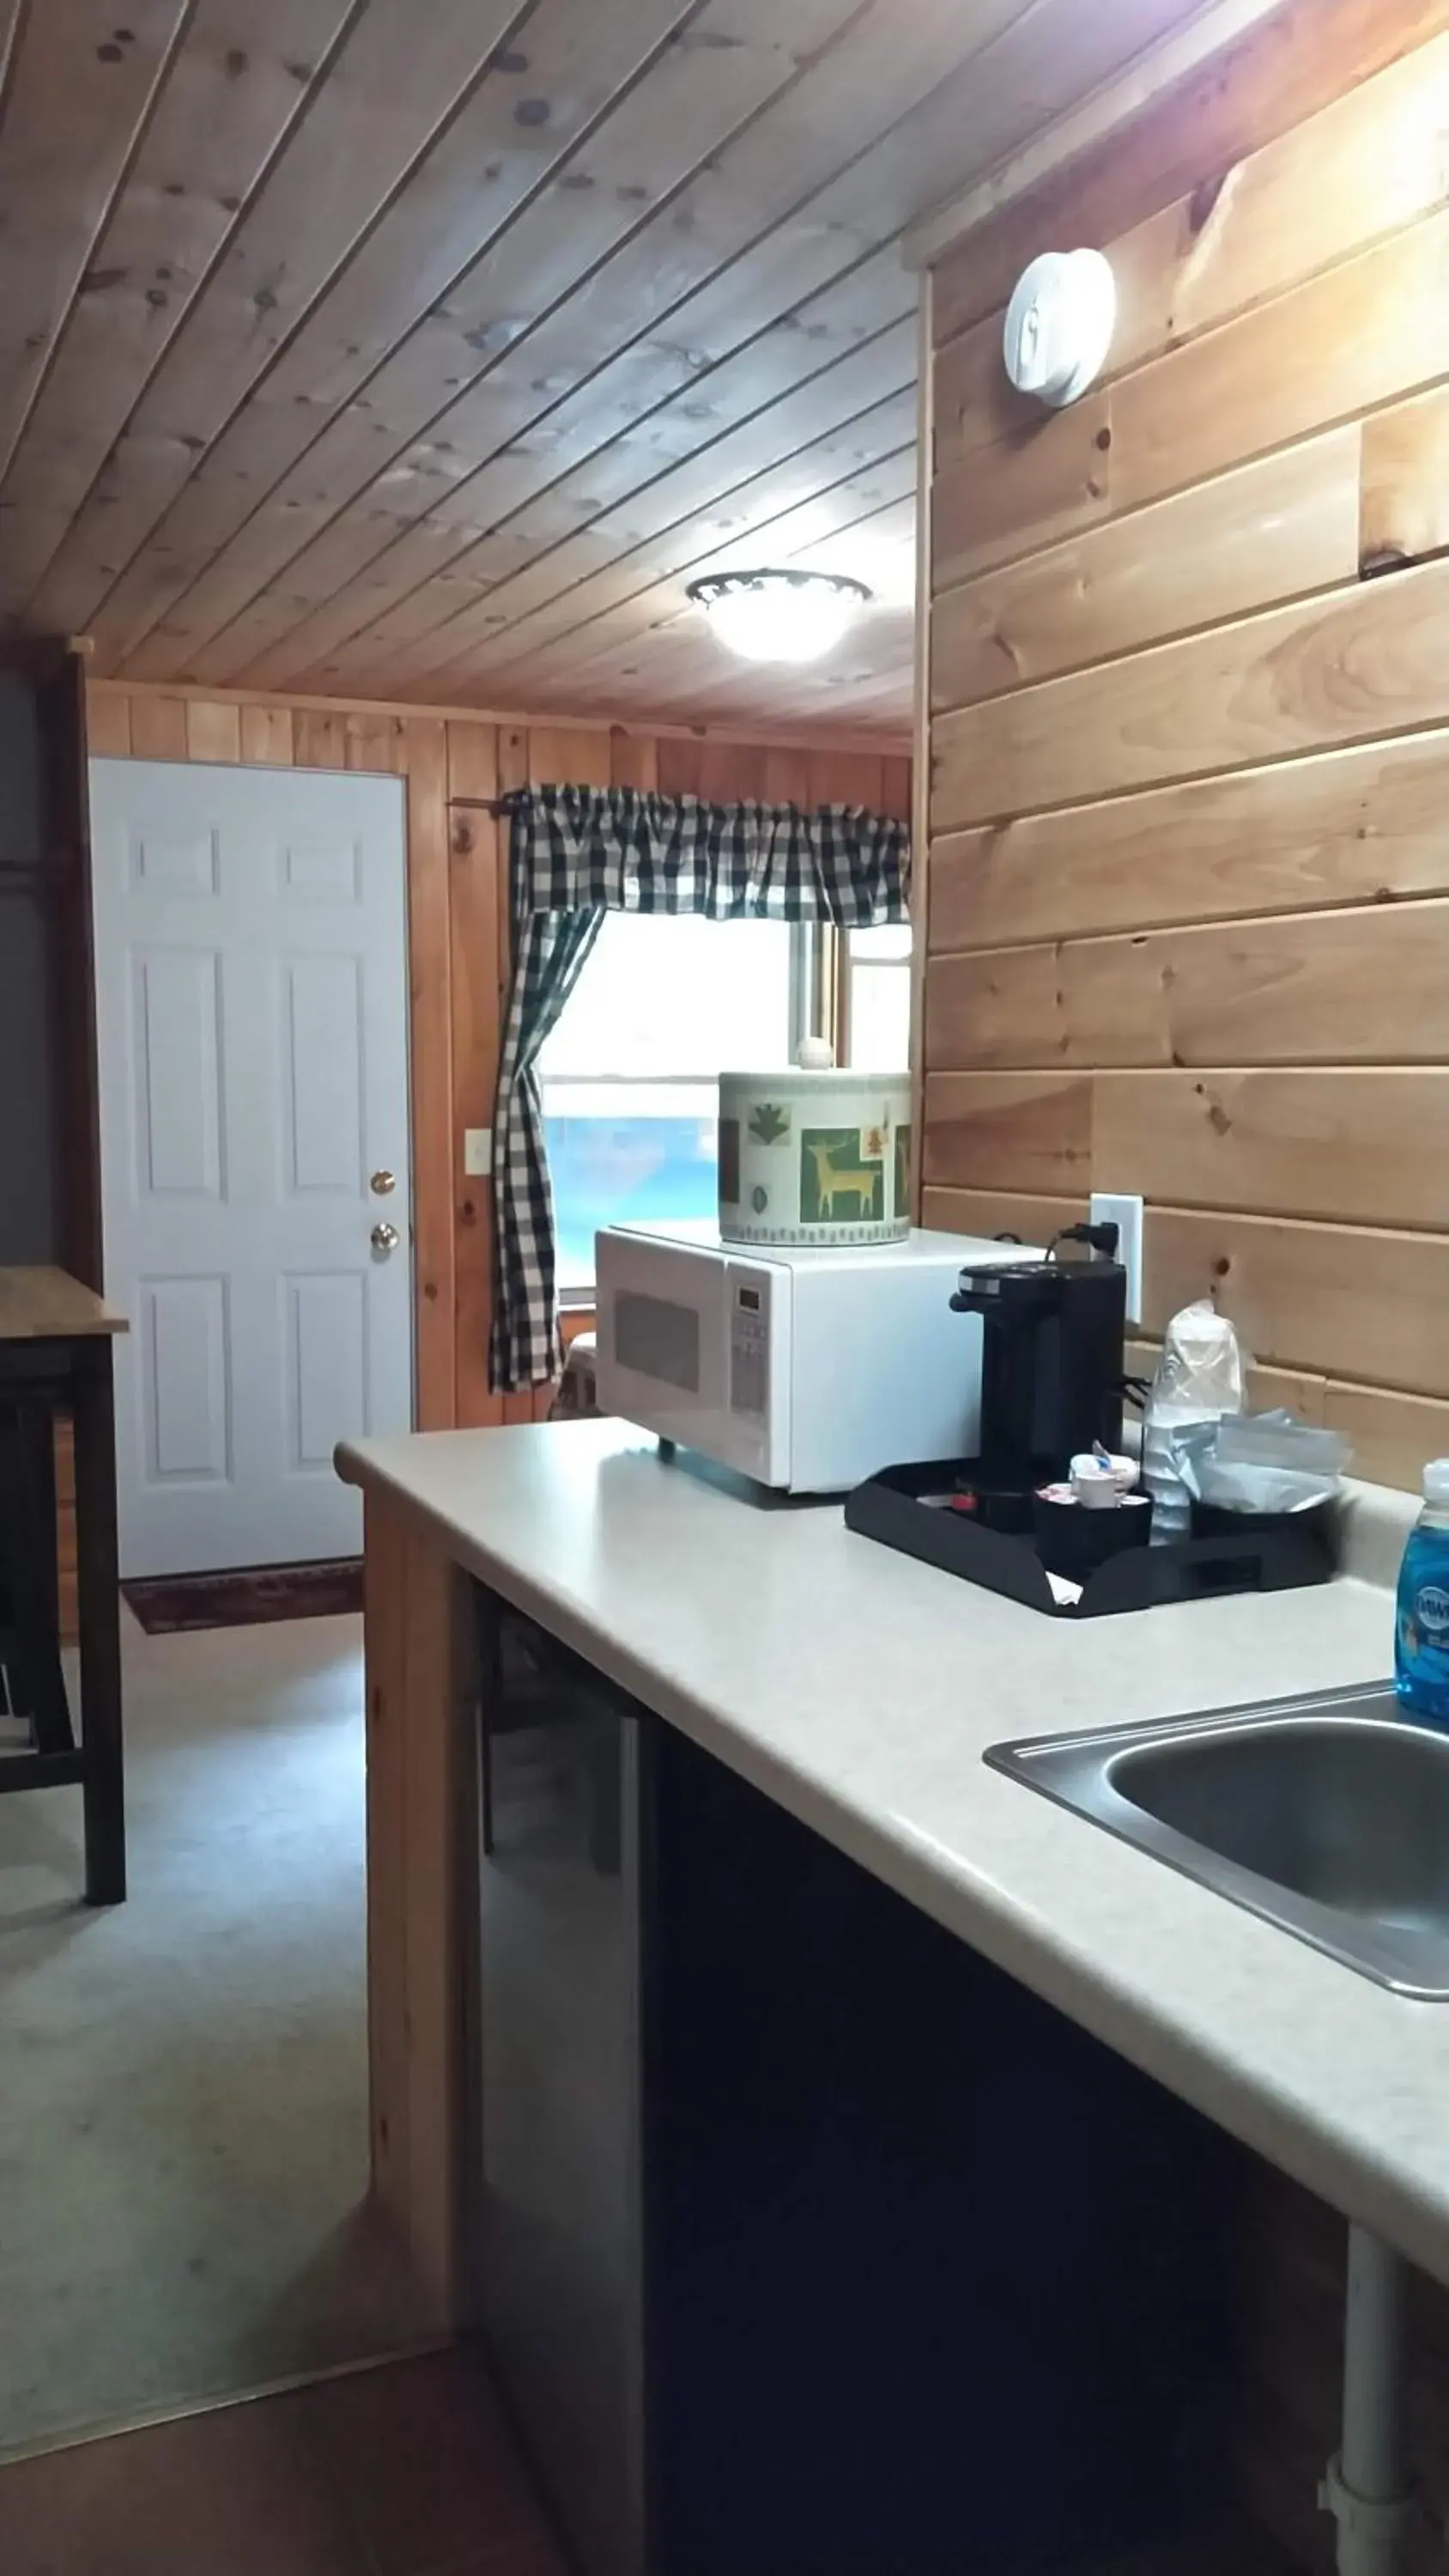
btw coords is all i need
(428, 347)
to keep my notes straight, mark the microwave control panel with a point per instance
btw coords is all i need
(749, 1347)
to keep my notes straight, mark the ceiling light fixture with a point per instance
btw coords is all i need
(779, 616)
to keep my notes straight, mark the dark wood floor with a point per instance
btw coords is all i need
(408, 2470)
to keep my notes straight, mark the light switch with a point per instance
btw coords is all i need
(1126, 1215)
(478, 1153)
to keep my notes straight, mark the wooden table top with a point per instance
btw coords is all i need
(43, 1305)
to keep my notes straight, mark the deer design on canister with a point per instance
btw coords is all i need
(831, 1181)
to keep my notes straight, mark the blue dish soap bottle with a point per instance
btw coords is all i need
(1421, 1629)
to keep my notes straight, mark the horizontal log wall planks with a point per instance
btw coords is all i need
(1188, 717)
(1357, 826)
(1369, 659)
(454, 763)
(1366, 986)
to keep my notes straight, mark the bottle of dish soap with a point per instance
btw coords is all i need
(1421, 1630)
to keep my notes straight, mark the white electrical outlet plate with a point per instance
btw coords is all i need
(1126, 1215)
(478, 1153)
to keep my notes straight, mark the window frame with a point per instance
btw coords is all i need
(819, 1006)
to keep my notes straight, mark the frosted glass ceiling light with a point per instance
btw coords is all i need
(779, 616)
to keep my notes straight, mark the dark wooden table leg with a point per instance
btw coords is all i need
(98, 1584)
(30, 1614)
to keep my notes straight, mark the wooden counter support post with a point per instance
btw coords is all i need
(421, 1893)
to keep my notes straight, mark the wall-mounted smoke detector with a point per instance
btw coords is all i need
(1059, 325)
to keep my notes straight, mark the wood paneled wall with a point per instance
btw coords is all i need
(455, 764)
(1189, 727)
(1187, 889)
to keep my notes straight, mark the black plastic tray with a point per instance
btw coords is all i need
(1278, 1559)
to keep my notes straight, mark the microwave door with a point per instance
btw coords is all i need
(662, 1347)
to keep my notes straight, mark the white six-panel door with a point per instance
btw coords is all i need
(251, 980)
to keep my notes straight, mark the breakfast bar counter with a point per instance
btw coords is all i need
(859, 1690)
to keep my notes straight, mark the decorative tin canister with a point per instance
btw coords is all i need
(814, 1155)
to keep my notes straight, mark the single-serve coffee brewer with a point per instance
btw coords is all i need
(1051, 1366)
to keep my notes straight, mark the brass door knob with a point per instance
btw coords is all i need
(381, 1183)
(385, 1238)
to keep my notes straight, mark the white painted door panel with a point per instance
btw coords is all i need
(251, 973)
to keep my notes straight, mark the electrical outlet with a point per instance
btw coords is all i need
(1126, 1215)
(478, 1153)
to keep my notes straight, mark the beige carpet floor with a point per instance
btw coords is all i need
(183, 2079)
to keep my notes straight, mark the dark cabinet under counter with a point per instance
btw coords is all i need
(808, 2242)
(565, 1866)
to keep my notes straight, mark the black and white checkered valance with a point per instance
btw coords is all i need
(579, 852)
(583, 849)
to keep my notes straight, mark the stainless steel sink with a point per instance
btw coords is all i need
(1327, 1815)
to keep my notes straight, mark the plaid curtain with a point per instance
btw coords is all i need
(549, 952)
(579, 852)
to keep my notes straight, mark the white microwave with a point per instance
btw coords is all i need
(805, 1369)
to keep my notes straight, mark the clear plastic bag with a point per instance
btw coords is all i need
(1262, 1462)
(1201, 1376)
(1204, 1367)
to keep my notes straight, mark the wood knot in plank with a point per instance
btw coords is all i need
(1202, 204)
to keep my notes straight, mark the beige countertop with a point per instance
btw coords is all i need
(860, 1690)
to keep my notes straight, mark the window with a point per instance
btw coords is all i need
(878, 1002)
(666, 1003)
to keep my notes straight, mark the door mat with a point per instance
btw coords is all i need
(245, 1597)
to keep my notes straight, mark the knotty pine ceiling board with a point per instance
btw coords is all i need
(559, 475)
(668, 665)
(721, 206)
(632, 598)
(616, 81)
(425, 340)
(73, 95)
(676, 524)
(239, 84)
(594, 448)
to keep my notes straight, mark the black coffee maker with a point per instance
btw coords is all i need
(1051, 1365)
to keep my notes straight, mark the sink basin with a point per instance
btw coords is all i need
(1328, 1815)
